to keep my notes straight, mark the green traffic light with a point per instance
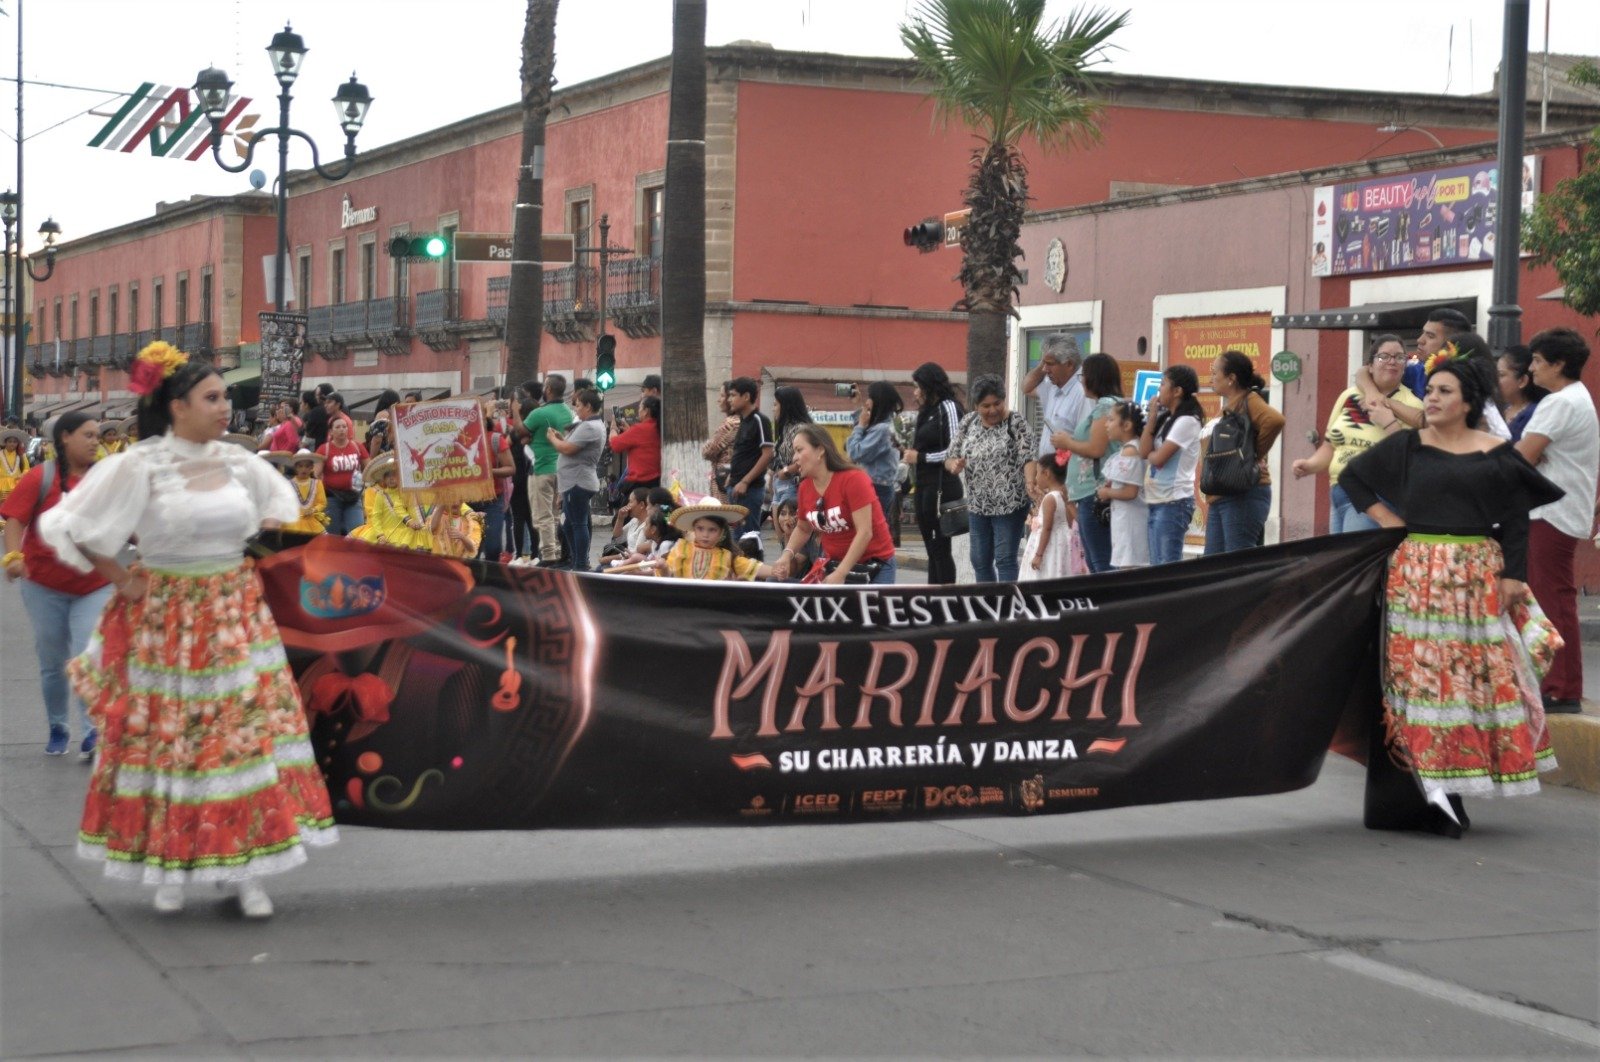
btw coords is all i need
(435, 247)
(605, 381)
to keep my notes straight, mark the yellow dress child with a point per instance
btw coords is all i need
(112, 440)
(393, 516)
(705, 550)
(308, 488)
(456, 531)
(13, 459)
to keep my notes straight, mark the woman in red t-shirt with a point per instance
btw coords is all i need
(345, 458)
(838, 502)
(641, 444)
(63, 604)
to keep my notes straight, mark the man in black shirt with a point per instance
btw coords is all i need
(753, 447)
(315, 416)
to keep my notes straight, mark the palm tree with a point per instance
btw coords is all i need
(525, 297)
(683, 252)
(998, 70)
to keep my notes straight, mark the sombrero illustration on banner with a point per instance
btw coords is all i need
(684, 516)
(290, 458)
(349, 594)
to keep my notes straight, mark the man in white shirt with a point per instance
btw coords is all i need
(1060, 389)
(1563, 441)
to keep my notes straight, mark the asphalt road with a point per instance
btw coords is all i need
(1249, 928)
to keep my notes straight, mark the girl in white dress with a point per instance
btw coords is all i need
(1124, 489)
(205, 771)
(1045, 554)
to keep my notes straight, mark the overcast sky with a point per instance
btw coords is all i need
(430, 62)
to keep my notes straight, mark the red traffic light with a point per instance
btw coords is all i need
(927, 235)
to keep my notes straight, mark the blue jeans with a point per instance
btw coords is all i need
(344, 516)
(751, 499)
(1344, 518)
(494, 528)
(994, 541)
(1096, 537)
(1168, 521)
(888, 573)
(62, 624)
(1238, 521)
(784, 490)
(577, 526)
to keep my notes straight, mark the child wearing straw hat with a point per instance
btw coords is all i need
(307, 482)
(706, 550)
(13, 459)
(112, 441)
(393, 516)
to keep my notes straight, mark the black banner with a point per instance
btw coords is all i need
(283, 355)
(460, 695)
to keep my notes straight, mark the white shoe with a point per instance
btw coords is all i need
(169, 899)
(254, 901)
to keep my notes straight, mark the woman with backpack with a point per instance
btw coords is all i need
(1234, 476)
(62, 603)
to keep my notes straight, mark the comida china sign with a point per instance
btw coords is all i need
(1415, 221)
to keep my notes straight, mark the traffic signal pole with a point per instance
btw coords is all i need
(604, 252)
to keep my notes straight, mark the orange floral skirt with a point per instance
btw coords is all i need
(205, 770)
(1461, 682)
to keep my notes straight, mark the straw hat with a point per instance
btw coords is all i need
(249, 442)
(129, 427)
(290, 458)
(112, 428)
(17, 434)
(684, 516)
(377, 467)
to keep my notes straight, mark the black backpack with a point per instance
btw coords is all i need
(1231, 466)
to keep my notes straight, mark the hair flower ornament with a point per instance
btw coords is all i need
(153, 364)
(1449, 352)
(1063, 457)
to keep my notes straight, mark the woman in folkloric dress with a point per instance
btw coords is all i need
(205, 770)
(1461, 690)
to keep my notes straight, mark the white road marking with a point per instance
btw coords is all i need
(1574, 1029)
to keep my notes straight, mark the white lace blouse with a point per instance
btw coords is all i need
(187, 503)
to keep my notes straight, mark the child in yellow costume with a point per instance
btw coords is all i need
(112, 440)
(393, 516)
(308, 487)
(13, 459)
(457, 531)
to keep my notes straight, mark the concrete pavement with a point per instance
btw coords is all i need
(1266, 927)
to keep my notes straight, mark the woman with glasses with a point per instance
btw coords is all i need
(1355, 426)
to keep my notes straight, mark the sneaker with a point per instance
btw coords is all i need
(169, 899)
(57, 745)
(254, 901)
(90, 740)
(1562, 706)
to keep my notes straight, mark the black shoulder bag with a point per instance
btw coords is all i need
(1230, 466)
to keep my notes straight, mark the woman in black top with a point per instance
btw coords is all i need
(938, 413)
(1458, 717)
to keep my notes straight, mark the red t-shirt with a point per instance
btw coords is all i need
(847, 491)
(285, 436)
(642, 443)
(342, 463)
(41, 562)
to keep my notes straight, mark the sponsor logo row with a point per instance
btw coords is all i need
(1030, 795)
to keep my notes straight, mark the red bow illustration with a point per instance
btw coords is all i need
(366, 697)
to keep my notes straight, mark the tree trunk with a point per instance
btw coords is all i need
(683, 257)
(525, 298)
(986, 345)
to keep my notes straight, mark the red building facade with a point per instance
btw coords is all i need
(815, 164)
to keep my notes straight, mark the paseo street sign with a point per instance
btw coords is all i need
(496, 247)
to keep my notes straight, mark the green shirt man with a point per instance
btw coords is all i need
(557, 415)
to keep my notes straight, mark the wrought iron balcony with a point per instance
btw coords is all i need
(633, 295)
(499, 298)
(169, 334)
(571, 295)
(350, 322)
(100, 350)
(35, 358)
(437, 318)
(195, 338)
(319, 332)
(389, 324)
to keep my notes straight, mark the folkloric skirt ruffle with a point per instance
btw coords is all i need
(1461, 683)
(205, 770)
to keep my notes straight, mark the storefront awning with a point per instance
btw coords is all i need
(1375, 315)
(244, 374)
(1556, 295)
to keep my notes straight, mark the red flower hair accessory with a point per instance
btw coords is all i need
(1063, 457)
(154, 364)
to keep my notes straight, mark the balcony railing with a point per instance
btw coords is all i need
(633, 295)
(350, 322)
(35, 358)
(56, 353)
(389, 324)
(570, 299)
(100, 350)
(499, 298)
(195, 338)
(319, 332)
(438, 314)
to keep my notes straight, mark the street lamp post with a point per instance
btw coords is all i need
(10, 324)
(351, 101)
